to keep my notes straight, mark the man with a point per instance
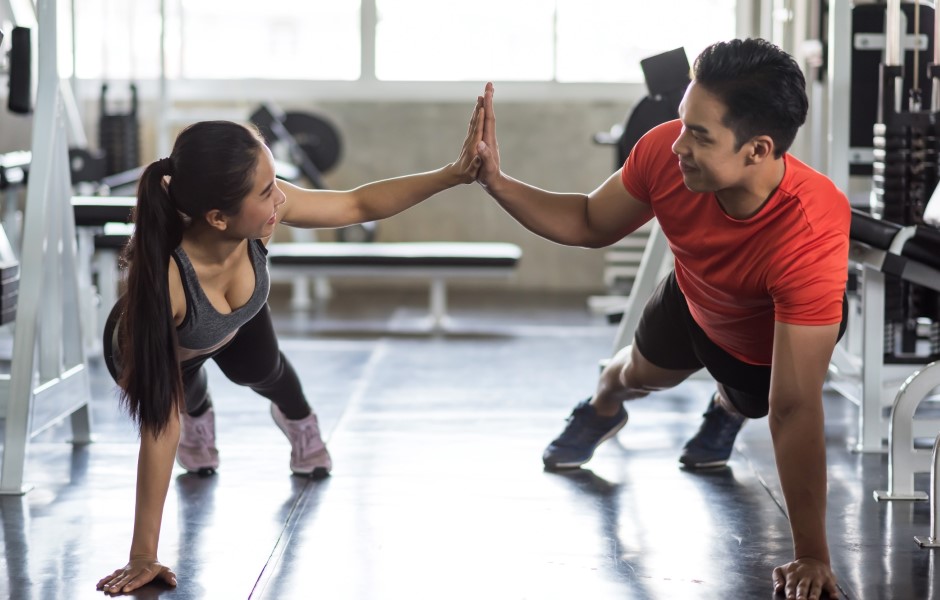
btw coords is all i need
(757, 296)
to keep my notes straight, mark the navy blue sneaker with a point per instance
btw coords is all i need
(711, 447)
(582, 435)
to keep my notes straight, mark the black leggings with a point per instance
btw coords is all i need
(251, 358)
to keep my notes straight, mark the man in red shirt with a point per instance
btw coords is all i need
(757, 295)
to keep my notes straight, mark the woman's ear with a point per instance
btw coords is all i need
(217, 219)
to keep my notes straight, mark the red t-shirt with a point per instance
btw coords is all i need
(787, 263)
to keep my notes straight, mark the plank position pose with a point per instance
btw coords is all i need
(197, 288)
(757, 293)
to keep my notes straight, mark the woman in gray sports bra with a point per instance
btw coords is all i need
(197, 288)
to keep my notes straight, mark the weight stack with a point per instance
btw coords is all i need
(905, 173)
(119, 135)
(9, 291)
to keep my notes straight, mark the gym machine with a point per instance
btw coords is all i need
(48, 378)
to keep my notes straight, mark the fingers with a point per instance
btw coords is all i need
(489, 118)
(476, 116)
(803, 580)
(128, 580)
(168, 576)
(779, 580)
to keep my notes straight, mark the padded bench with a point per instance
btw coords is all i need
(435, 261)
(105, 221)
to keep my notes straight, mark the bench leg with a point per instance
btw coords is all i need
(300, 297)
(438, 303)
(933, 540)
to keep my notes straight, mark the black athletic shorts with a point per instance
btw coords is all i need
(669, 337)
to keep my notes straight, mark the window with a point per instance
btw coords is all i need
(430, 40)
(604, 40)
(220, 39)
(413, 40)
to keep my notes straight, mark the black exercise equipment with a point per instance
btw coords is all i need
(119, 134)
(9, 290)
(906, 142)
(312, 142)
(20, 100)
(667, 76)
(314, 145)
(87, 165)
(868, 45)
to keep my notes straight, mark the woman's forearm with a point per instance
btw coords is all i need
(154, 467)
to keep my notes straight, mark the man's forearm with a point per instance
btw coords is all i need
(561, 218)
(800, 451)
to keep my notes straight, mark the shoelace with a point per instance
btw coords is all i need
(306, 433)
(199, 432)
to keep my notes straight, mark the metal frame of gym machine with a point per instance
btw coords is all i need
(48, 379)
(858, 370)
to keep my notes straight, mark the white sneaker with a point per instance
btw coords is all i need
(308, 453)
(196, 451)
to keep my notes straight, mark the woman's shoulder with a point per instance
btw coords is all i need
(176, 291)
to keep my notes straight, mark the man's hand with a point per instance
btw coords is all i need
(136, 573)
(805, 579)
(488, 148)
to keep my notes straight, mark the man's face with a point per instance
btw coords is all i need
(706, 147)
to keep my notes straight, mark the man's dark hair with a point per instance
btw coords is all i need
(761, 86)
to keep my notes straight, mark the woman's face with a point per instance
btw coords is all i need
(258, 214)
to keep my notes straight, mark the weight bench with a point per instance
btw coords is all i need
(98, 249)
(438, 262)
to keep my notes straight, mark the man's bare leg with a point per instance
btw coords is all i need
(629, 376)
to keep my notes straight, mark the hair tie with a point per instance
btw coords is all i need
(165, 166)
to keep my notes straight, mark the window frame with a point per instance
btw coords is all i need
(369, 88)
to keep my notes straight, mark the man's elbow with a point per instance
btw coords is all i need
(799, 413)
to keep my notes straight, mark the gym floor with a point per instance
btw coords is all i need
(438, 489)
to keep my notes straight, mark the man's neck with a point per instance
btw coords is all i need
(747, 200)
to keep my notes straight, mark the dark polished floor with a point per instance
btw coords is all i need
(438, 489)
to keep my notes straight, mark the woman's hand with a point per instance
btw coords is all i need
(467, 165)
(136, 573)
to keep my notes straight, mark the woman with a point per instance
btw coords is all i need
(197, 288)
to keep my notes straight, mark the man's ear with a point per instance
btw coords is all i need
(761, 148)
(216, 218)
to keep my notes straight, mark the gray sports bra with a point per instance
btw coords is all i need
(204, 329)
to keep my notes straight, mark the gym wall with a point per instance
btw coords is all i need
(547, 144)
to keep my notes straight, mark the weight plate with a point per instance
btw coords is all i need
(318, 138)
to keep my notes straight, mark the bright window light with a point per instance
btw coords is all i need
(415, 40)
(430, 40)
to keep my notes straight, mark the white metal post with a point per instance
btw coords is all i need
(47, 317)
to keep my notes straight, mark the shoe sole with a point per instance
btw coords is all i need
(715, 464)
(317, 474)
(575, 465)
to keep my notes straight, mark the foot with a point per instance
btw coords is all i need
(196, 451)
(711, 447)
(308, 453)
(582, 435)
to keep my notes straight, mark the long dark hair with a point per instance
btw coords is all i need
(211, 167)
(762, 87)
